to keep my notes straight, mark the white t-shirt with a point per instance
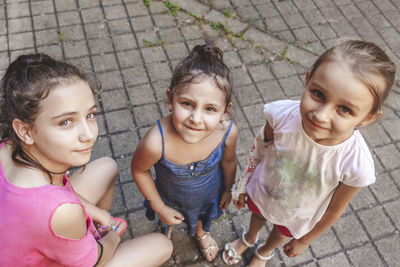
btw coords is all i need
(295, 180)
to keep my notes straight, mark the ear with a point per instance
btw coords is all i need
(169, 98)
(307, 78)
(228, 108)
(24, 131)
(370, 118)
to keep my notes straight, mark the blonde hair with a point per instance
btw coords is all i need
(369, 63)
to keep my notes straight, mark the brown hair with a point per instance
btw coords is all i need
(204, 61)
(369, 64)
(27, 81)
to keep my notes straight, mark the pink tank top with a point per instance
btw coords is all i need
(26, 238)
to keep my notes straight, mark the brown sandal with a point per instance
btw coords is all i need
(212, 247)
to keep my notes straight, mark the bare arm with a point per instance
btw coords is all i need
(69, 221)
(263, 138)
(341, 198)
(229, 164)
(147, 153)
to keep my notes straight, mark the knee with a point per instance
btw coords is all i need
(166, 247)
(109, 167)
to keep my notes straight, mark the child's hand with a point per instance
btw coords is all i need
(170, 216)
(102, 218)
(226, 198)
(241, 202)
(295, 247)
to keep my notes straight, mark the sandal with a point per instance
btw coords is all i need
(230, 253)
(212, 247)
(121, 222)
(266, 258)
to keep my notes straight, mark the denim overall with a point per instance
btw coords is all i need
(194, 189)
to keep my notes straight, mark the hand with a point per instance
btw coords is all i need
(169, 216)
(226, 198)
(102, 218)
(295, 247)
(241, 202)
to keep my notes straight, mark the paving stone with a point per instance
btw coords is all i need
(393, 212)
(140, 225)
(134, 76)
(19, 25)
(42, 7)
(247, 95)
(142, 23)
(125, 41)
(101, 148)
(389, 156)
(292, 86)
(92, 15)
(375, 135)
(114, 12)
(159, 71)
(240, 77)
(141, 94)
(21, 40)
(101, 124)
(326, 244)
(70, 33)
(164, 20)
(100, 46)
(54, 51)
(96, 30)
(115, 99)
(133, 197)
(387, 247)
(363, 199)
(365, 256)
(119, 121)
(349, 231)
(65, 5)
(384, 188)
(104, 62)
(47, 37)
(137, 9)
(15, 10)
(119, 26)
(77, 49)
(335, 260)
(110, 80)
(376, 222)
(146, 115)
(118, 202)
(254, 114)
(124, 143)
(68, 18)
(153, 54)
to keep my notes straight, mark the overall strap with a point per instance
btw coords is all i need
(227, 132)
(162, 136)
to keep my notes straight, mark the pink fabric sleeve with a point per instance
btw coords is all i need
(73, 252)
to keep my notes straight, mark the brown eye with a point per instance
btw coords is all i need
(345, 109)
(317, 94)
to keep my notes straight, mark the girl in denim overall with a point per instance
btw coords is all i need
(193, 149)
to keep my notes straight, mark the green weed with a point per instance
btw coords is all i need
(173, 8)
(148, 43)
(146, 2)
(227, 13)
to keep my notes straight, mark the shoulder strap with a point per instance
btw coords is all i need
(162, 136)
(227, 132)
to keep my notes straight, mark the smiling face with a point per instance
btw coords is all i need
(65, 129)
(197, 110)
(334, 103)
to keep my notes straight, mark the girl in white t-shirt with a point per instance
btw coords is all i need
(309, 159)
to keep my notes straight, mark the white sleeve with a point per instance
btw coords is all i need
(255, 156)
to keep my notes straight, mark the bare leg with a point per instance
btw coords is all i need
(275, 239)
(147, 250)
(256, 222)
(206, 242)
(97, 182)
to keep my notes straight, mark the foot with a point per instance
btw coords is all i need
(208, 246)
(234, 250)
(259, 260)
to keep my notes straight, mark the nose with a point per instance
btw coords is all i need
(322, 114)
(87, 132)
(196, 116)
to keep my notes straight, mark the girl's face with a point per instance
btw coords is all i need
(65, 129)
(197, 110)
(334, 103)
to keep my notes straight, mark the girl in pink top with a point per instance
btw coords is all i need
(47, 125)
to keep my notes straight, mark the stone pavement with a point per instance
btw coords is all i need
(132, 46)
